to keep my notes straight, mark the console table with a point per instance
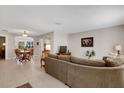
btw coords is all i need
(64, 53)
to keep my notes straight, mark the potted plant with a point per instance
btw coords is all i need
(90, 54)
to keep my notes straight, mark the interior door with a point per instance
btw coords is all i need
(2, 47)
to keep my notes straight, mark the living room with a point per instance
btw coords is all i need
(87, 34)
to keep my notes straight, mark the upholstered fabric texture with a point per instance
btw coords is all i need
(83, 76)
(112, 62)
(53, 55)
(64, 57)
(88, 62)
(56, 68)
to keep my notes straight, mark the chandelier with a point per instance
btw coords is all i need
(24, 34)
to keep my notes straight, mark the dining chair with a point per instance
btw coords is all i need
(29, 55)
(19, 55)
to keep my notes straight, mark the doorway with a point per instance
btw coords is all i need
(2, 47)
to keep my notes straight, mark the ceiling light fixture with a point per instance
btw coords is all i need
(57, 23)
(24, 34)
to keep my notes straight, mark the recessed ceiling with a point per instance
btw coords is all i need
(41, 19)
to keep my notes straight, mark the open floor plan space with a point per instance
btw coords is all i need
(62, 46)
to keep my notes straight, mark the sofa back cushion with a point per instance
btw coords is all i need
(64, 57)
(88, 62)
(53, 55)
(113, 62)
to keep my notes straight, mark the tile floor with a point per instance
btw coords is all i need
(13, 75)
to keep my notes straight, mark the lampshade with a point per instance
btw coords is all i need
(48, 47)
(118, 47)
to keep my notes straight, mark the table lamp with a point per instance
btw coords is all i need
(47, 49)
(118, 48)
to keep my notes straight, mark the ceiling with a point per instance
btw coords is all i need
(41, 19)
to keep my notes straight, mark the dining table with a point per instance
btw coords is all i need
(25, 55)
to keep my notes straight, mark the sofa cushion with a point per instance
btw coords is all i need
(112, 62)
(88, 62)
(52, 55)
(64, 57)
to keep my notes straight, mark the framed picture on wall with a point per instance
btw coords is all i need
(87, 42)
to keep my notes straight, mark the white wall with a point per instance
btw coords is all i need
(47, 39)
(9, 44)
(55, 39)
(37, 48)
(60, 39)
(104, 41)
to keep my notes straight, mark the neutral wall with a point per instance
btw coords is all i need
(104, 41)
(37, 48)
(56, 39)
(9, 44)
(47, 39)
(60, 39)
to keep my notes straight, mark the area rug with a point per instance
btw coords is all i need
(26, 85)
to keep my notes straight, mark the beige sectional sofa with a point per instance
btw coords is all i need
(84, 73)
